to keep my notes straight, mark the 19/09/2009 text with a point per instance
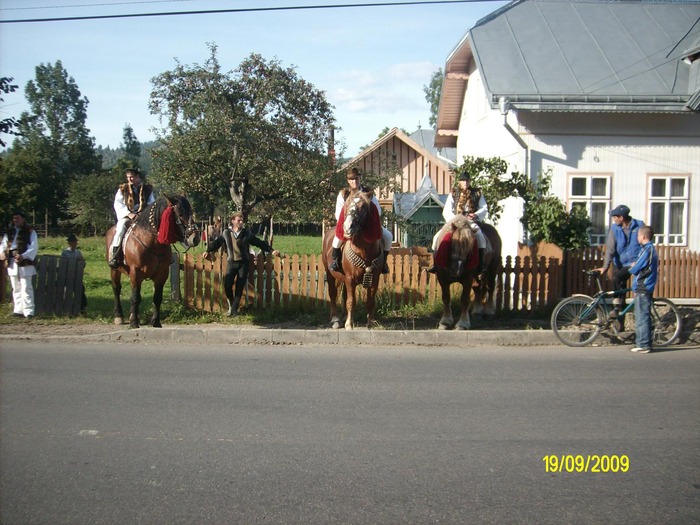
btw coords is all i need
(586, 463)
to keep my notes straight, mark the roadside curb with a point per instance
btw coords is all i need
(282, 336)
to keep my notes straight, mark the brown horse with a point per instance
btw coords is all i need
(462, 270)
(145, 257)
(363, 259)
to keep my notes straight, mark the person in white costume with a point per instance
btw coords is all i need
(19, 247)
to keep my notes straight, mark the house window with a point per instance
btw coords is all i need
(668, 209)
(592, 192)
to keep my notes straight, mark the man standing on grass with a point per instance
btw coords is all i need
(19, 247)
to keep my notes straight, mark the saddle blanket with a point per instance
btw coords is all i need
(442, 255)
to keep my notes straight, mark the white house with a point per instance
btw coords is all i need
(605, 94)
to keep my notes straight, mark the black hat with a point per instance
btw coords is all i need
(620, 211)
(72, 238)
(20, 213)
(464, 176)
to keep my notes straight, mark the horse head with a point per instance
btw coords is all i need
(357, 213)
(462, 243)
(186, 228)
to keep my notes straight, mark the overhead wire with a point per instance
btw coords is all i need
(239, 10)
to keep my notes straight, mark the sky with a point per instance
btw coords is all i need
(372, 61)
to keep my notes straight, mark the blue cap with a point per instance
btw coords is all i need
(620, 211)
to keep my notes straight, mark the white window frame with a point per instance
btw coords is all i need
(588, 199)
(664, 237)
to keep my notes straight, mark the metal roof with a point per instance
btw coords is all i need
(576, 55)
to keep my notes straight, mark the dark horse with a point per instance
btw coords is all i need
(145, 257)
(362, 260)
(462, 270)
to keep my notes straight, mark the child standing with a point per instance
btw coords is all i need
(72, 252)
(645, 271)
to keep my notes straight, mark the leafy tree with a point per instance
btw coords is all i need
(90, 200)
(257, 133)
(433, 91)
(54, 146)
(7, 125)
(544, 216)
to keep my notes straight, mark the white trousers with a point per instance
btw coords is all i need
(480, 239)
(22, 294)
(387, 239)
(119, 232)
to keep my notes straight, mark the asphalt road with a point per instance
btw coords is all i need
(202, 434)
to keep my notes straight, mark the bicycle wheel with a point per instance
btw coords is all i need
(665, 322)
(576, 322)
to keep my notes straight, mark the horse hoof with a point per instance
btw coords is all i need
(134, 325)
(461, 327)
(335, 325)
(118, 321)
(156, 324)
(443, 326)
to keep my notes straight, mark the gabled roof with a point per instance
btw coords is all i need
(406, 204)
(576, 55)
(394, 132)
(426, 138)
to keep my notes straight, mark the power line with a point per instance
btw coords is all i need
(238, 10)
(103, 4)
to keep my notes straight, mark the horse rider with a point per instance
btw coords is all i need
(237, 241)
(131, 198)
(354, 178)
(469, 201)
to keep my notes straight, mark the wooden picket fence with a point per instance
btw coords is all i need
(57, 285)
(524, 285)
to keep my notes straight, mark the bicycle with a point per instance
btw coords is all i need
(579, 319)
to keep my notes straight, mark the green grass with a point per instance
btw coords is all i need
(101, 300)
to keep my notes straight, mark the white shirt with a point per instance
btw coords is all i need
(449, 214)
(120, 207)
(340, 204)
(31, 253)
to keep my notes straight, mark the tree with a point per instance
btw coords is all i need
(54, 147)
(433, 92)
(544, 216)
(7, 125)
(257, 133)
(131, 147)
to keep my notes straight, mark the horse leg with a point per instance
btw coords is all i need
(116, 278)
(371, 296)
(157, 300)
(490, 310)
(464, 322)
(135, 302)
(479, 295)
(349, 303)
(333, 296)
(446, 321)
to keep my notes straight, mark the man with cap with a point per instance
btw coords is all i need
(468, 201)
(354, 178)
(19, 247)
(621, 248)
(131, 198)
(72, 252)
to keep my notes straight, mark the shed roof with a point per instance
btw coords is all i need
(407, 204)
(576, 55)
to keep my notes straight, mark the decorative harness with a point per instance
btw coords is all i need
(357, 261)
